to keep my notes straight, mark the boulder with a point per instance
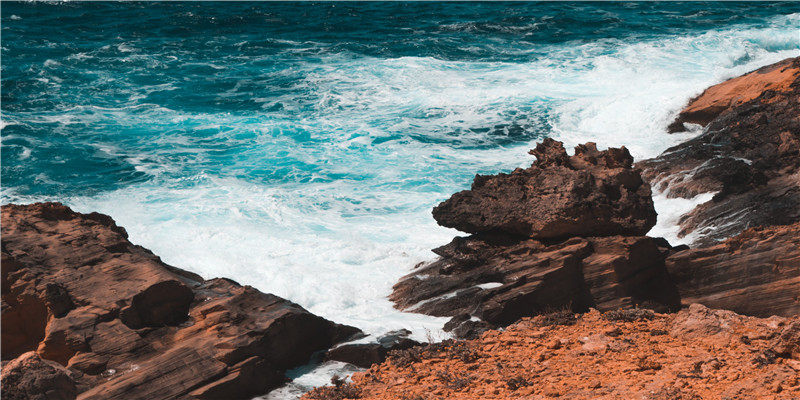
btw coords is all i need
(128, 326)
(593, 193)
(29, 377)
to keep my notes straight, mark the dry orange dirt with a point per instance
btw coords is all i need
(698, 353)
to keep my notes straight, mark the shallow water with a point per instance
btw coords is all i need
(299, 147)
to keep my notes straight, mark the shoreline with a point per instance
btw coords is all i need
(53, 308)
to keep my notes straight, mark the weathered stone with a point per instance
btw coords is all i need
(748, 156)
(593, 193)
(500, 280)
(130, 326)
(755, 273)
(28, 377)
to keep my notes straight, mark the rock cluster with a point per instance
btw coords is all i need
(566, 232)
(748, 155)
(697, 353)
(127, 326)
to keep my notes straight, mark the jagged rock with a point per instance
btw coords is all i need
(755, 273)
(748, 155)
(593, 193)
(499, 279)
(128, 326)
(365, 354)
(29, 377)
(787, 343)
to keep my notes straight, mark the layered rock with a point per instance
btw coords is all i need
(593, 193)
(128, 326)
(697, 353)
(734, 92)
(748, 155)
(756, 272)
(564, 233)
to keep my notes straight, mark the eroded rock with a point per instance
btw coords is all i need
(29, 377)
(755, 273)
(128, 326)
(748, 156)
(593, 193)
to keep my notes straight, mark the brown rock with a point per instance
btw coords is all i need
(755, 273)
(733, 92)
(28, 377)
(748, 155)
(593, 193)
(131, 327)
(500, 280)
(787, 343)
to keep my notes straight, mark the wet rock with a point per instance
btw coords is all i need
(29, 377)
(77, 292)
(748, 156)
(755, 273)
(365, 354)
(733, 92)
(593, 193)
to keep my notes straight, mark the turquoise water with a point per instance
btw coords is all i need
(299, 147)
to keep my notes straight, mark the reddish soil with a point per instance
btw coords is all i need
(697, 353)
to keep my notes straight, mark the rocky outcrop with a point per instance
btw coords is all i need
(734, 92)
(593, 193)
(697, 353)
(128, 326)
(748, 156)
(756, 272)
(565, 233)
(29, 377)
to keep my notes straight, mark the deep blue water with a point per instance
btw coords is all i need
(299, 147)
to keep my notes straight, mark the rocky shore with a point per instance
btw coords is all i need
(557, 255)
(87, 313)
(567, 236)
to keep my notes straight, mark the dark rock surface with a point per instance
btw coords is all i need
(755, 273)
(593, 193)
(748, 154)
(128, 326)
(365, 354)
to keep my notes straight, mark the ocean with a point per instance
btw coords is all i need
(299, 147)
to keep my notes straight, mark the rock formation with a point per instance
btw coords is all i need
(128, 326)
(29, 377)
(566, 232)
(748, 155)
(697, 353)
(755, 273)
(593, 193)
